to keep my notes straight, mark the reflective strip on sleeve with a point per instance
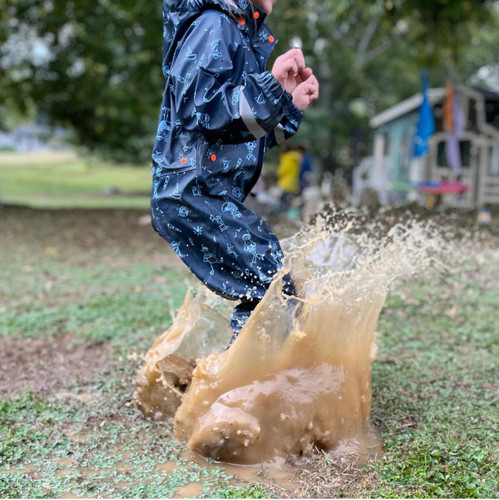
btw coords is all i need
(279, 134)
(248, 117)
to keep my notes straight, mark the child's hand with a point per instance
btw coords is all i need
(290, 71)
(306, 92)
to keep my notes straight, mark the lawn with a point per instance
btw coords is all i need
(85, 292)
(64, 180)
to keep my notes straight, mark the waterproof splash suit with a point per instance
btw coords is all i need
(221, 110)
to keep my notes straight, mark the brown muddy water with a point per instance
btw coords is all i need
(298, 377)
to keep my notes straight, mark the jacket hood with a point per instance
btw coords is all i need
(179, 14)
(241, 7)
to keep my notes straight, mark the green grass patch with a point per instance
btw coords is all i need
(124, 306)
(242, 492)
(72, 183)
(435, 392)
(55, 448)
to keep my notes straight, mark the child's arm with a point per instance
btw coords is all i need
(213, 93)
(303, 95)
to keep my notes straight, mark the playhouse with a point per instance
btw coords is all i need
(395, 173)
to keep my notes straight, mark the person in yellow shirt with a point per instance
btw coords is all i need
(288, 174)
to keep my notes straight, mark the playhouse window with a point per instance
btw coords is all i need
(465, 148)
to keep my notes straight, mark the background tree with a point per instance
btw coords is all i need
(369, 55)
(96, 66)
(101, 73)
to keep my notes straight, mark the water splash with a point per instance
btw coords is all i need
(298, 377)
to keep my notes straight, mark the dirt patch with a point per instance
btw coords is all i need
(43, 367)
(329, 476)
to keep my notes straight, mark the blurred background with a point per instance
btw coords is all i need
(81, 86)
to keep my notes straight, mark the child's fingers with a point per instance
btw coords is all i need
(286, 65)
(296, 55)
(304, 74)
(309, 85)
(313, 81)
(299, 58)
(306, 92)
(313, 87)
(290, 67)
(314, 93)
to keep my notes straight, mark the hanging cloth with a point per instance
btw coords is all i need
(455, 126)
(426, 122)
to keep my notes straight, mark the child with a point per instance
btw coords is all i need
(288, 175)
(221, 110)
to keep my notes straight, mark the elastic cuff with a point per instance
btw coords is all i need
(274, 88)
(292, 113)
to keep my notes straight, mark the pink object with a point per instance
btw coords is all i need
(445, 188)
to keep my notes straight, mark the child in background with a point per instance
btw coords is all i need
(288, 175)
(221, 111)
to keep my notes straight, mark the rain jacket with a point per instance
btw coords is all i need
(221, 110)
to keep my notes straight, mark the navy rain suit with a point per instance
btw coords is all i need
(221, 110)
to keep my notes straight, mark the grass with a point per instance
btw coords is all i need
(62, 180)
(138, 300)
(113, 459)
(436, 396)
(99, 278)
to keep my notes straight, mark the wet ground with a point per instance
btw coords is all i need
(84, 294)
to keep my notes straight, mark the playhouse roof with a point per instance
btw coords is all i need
(405, 107)
(435, 95)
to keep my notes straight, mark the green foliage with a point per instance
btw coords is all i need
(253, 491)
(103, 76)
(102, 73)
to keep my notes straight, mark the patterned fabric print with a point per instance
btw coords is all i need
(224, 243)
(220, 111)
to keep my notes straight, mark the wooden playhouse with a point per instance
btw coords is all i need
(394, 132)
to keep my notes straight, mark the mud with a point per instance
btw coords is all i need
(46, 366)
(298, 377)
(199, 328)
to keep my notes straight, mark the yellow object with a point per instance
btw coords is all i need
(484, 217)
(288, 173)
(430, 202)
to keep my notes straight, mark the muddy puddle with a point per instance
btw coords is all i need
(241, 476)
(298, 377)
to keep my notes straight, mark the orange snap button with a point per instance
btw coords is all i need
(256, 15)
(183, 160)
(213, 157)
(241, 21)
(271, 39)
